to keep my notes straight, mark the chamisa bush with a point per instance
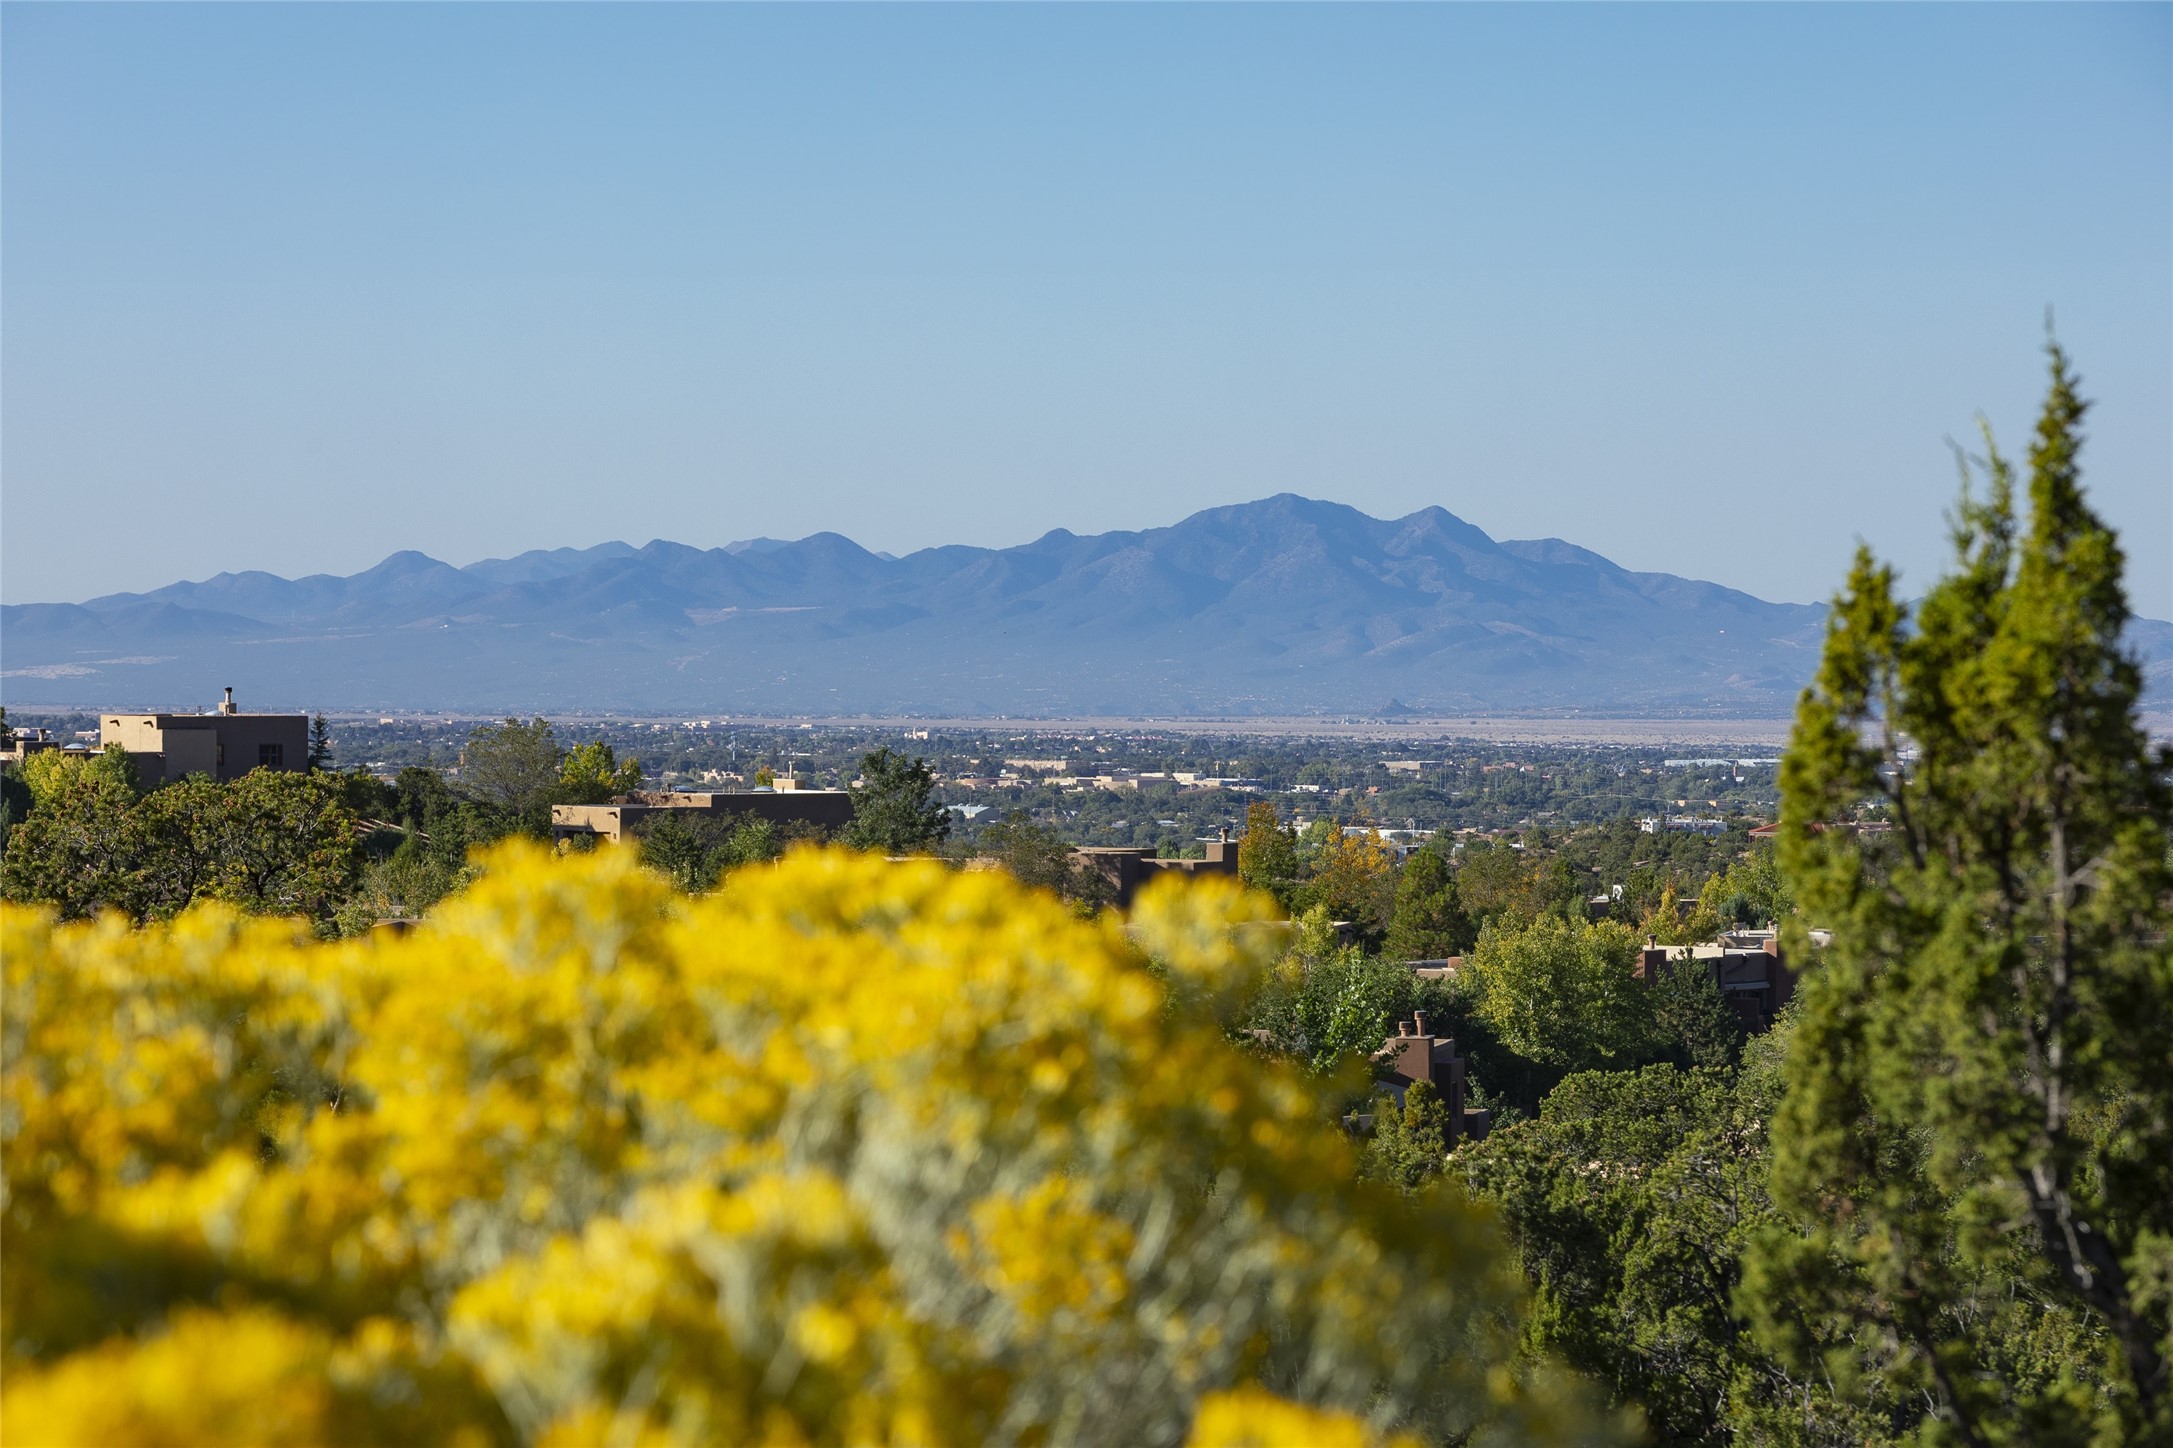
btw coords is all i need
(850, 1151)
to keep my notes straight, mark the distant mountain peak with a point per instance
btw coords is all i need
(1286, 605)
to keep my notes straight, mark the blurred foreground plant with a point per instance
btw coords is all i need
(849, 1152)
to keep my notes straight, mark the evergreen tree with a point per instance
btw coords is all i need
(270, 842)
(692, 853)
(1691, 1019)
(320, 744)
(1628, 1201)
(1410, 1142)
(895, 809)
(1429, 922)
(1976, 1143)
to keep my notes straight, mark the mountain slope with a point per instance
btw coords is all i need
(1283, 606)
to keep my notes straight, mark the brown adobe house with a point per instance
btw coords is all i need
(1128, 867)
(1746, 964)
(781, 804)
(1414, 1053)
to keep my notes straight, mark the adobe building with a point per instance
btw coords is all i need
(1416, 1054)
(828, 809)
(22, 743)
(1746, 965)
(225, 744)
(1128, 866)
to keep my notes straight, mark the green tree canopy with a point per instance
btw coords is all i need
(1630, 1200)
(1040, 856)
(592, 774)
(271, 842)
(51, 773)
(895, 809)
(693, 853)
(513, 768)
(1330, 1004)
(1976, 1145)
(1410, 1141)
(1751, 892)
(1267, 853)
(1501, 882)
(1563, 993)
(1429, 921)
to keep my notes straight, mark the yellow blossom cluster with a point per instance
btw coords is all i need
(848, 1152)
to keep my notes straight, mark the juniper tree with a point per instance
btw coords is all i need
(1429, 921)
(1976, 1142)
(895, 809)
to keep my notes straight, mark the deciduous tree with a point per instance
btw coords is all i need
(513, 768)
(1040, 856)
(1563, 992)
(592, 774)
(1353, 878)
(1267, 853)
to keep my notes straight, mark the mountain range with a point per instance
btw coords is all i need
(1285, 606)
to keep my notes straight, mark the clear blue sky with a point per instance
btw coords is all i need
(1704, 288)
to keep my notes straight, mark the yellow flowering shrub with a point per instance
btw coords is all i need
(848, 1152)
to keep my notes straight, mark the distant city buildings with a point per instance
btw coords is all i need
(1688, 824)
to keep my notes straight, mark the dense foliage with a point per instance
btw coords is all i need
(1975, 1148)
(895, 810)
(1039, 856)
(694, 853)
(849, 1151)
(1427, 920)
(268, 842)
(1630, 1199)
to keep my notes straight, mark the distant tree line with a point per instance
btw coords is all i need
(78, 831)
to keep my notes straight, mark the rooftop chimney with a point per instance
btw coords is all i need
(1418, 1023)
(1403, 1028)
(226, 705)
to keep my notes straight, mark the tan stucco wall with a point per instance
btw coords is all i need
(224, 746)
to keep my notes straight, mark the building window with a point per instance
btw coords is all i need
(271, 756)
